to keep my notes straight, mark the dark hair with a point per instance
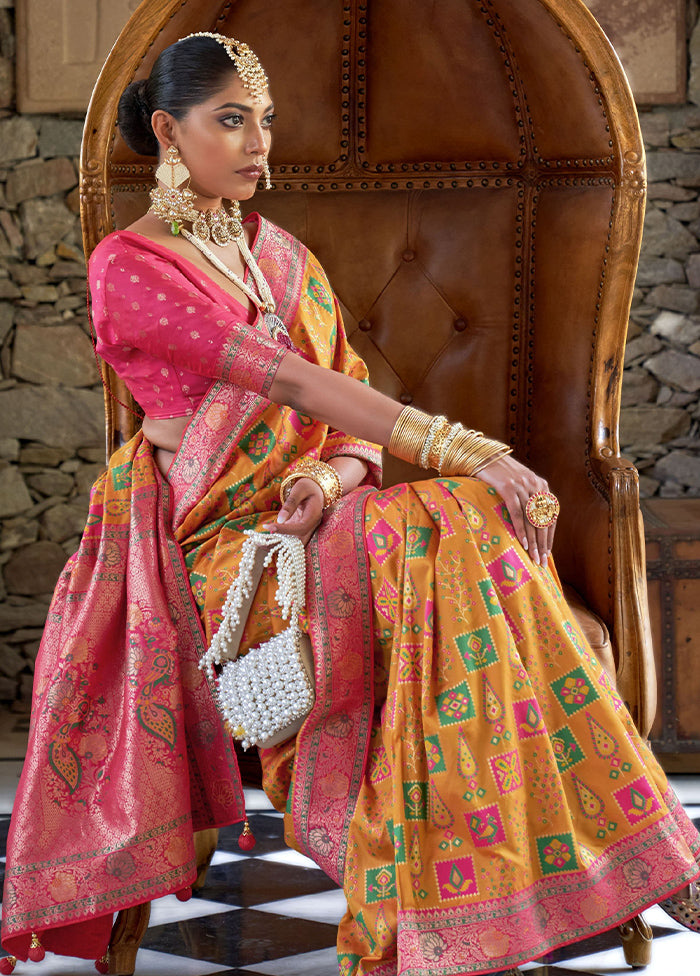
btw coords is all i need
(185, 74)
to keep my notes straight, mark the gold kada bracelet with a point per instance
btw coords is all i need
(436, 443)
(325, 476)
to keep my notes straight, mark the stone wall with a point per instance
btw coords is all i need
(660, 421)
(51, 414)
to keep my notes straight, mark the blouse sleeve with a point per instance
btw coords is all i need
(142, 302)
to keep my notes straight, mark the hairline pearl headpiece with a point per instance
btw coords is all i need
(248, 67)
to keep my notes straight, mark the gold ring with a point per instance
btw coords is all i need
(542, 509)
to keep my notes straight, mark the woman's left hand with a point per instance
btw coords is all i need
(301, 512)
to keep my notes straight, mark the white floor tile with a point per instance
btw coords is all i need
(169, 909)
(674, 955)
(225, 857)
(10, 770)
(257, 802)
(687, 788)
(323, 962)
(324, 906)
(289, 856)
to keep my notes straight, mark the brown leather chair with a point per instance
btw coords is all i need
(471, 175)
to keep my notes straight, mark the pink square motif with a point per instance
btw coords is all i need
(506, 772)
(508, 572)
(382, 539)
(528, 718)
(456, 878)
(486, 826)
(637, 800)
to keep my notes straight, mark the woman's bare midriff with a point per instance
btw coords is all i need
(165, 436)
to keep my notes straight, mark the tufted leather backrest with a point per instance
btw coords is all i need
(471, 175)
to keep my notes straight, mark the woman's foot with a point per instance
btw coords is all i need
(684, 906)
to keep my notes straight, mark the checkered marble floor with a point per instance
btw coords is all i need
(272, 912)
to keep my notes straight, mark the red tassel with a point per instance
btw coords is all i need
(102, 965)
(246, 841)
(184, 894)
(36, 949)
(7, 965)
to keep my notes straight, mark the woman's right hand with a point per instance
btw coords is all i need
(515, 484)
(302, 511)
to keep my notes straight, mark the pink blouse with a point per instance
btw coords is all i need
(169, 331)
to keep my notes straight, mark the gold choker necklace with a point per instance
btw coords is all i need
(220, 226)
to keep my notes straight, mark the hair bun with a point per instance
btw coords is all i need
(134, 119)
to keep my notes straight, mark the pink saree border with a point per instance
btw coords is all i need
(332, 745)
(493, 935)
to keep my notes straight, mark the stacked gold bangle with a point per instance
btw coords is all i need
(433, 442)
(325, 476)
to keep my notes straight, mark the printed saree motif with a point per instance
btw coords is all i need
(508, 805)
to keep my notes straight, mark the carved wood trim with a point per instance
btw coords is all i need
(127, 933)
(636, 672)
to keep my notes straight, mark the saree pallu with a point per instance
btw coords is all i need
(508, 805)
(127, 754)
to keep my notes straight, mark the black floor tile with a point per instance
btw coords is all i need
(240, 938)
(249, 882)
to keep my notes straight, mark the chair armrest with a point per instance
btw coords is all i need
(636, 672)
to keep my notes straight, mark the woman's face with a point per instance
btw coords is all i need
(223, 140)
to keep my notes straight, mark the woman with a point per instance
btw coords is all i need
(478, 788)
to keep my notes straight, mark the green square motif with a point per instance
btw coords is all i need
(567, 751)
(455, 705)
(490, 597)
(434, 756)
(477, 649)
(399, 840)
(259, 443)
(347, 963)
(198, 585)
(417, 540)
(574, 691)
(380, 883)
(319, 293)
(415, 800)
(557, 854)
(121, 476)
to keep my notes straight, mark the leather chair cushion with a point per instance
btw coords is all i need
(594, 630)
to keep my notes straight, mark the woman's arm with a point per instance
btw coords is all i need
(346, 404)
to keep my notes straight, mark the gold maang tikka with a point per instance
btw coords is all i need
(174, 203)
(248, 68)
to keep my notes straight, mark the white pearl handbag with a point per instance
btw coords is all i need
(265, 695)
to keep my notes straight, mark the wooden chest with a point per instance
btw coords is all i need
(672, 529)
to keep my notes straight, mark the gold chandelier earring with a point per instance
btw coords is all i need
(173, 201)
(266, 173)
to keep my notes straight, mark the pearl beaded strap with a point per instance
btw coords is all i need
(291, 591)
